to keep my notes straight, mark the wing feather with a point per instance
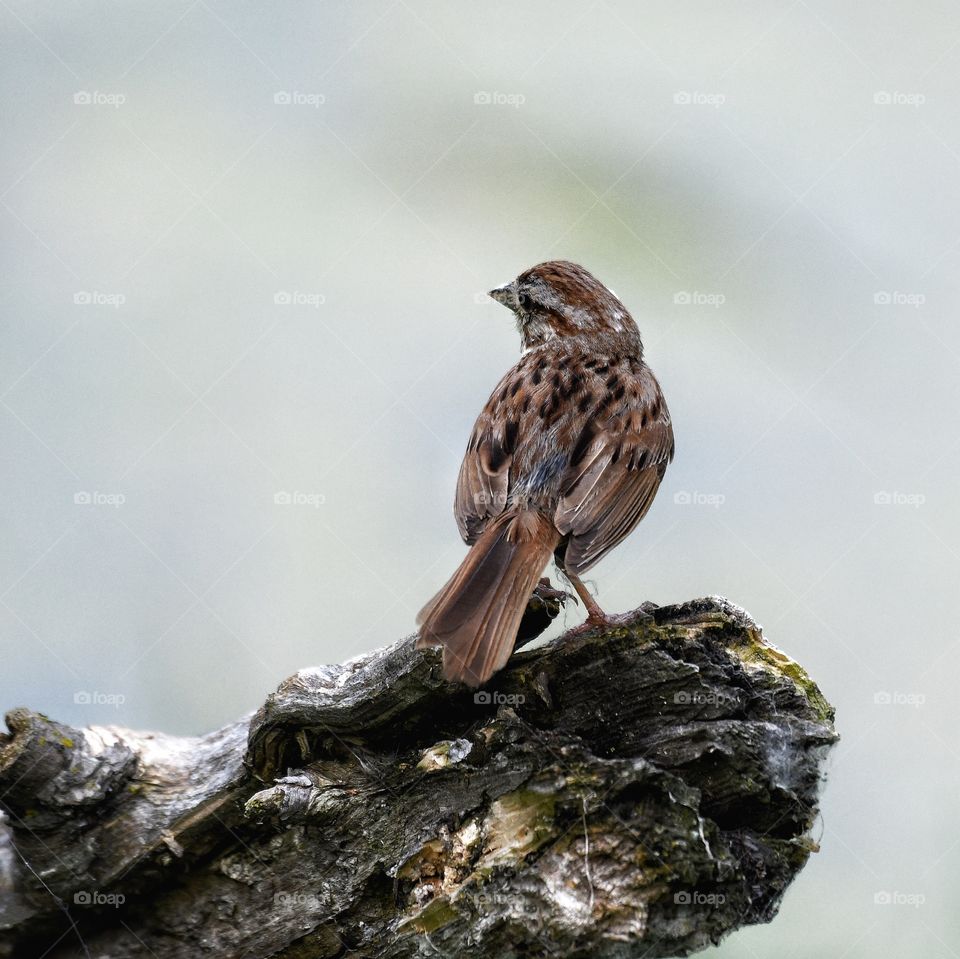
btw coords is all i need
(481, 491)
(608, 492)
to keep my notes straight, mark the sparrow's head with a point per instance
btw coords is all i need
(559, 298)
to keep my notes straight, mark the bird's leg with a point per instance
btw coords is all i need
(595, 615)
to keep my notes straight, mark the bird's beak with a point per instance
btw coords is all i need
(507, 295)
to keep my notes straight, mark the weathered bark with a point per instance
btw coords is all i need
(638, 790)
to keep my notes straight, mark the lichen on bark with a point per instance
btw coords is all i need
(637, 790)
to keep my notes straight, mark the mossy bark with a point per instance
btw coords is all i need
(637, 790)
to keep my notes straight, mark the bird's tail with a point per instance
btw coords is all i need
(475, 617)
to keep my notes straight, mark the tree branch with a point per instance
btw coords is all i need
(643, 789)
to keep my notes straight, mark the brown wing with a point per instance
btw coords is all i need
(482, 484)
(484, 479)
(610, 487)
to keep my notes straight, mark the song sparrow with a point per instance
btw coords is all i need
(565, 459)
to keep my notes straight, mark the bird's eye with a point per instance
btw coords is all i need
(523, 299)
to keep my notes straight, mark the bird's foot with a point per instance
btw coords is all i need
(545, 591)
(597, 619)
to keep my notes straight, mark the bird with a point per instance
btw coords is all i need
(564, 461)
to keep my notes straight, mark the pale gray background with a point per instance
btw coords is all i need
(804, 199)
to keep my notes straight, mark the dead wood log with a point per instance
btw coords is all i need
(637, 790)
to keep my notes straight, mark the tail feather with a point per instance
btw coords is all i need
(475, 617)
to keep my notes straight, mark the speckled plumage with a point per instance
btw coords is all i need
(566, 458)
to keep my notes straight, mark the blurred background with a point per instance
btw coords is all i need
(245, 337)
